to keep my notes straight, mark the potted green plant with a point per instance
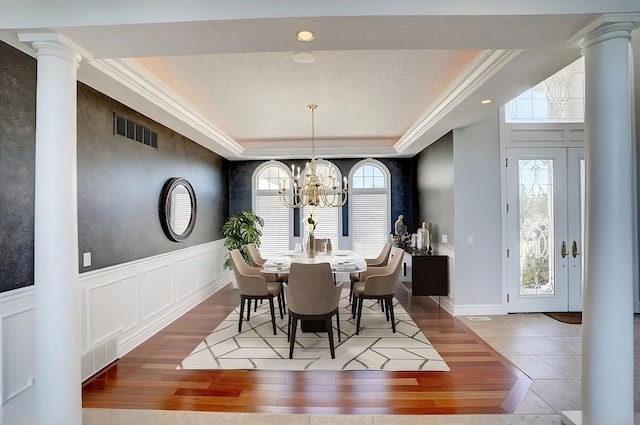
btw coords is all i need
(239, 230)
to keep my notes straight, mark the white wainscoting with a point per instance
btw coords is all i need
(121, 307)
(125, 305)
(17, 356)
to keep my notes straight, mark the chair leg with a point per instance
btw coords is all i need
(280, 305)
(330, 333)
(338, 323)
(384, 301)
(273, 315)
(249, 307)
(382, 307)
(390, 309)
(292, 341)
(360, 302)
(354, 306)
(289, 328)
(242, 300)
(284, 302)
(351, 293)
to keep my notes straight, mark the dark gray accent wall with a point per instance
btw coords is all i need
(17, 162)
(434, 182)
(241, 172)
(120, 180)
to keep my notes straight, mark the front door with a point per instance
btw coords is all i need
(545, 196)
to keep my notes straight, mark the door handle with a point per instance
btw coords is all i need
(574, 249)
(563, 249)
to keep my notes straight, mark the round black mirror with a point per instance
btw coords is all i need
(178, 209)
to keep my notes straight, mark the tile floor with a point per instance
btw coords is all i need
(546, 350)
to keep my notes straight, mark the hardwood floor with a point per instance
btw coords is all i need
(480, 380)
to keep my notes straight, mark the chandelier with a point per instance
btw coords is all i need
(313, 189)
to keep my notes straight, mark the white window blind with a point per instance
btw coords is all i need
(266, 204)
(370, 204)
(369, 222)
(328, 221)
(277, 222)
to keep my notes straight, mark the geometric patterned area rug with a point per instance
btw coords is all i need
(375, 348)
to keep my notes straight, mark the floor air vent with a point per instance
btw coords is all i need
(479, 318)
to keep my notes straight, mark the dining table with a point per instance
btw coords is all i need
(341, 261)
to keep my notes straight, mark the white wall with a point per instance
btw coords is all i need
(478, 234)
(635, 47)
(121, 307)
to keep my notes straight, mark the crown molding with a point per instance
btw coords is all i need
(149, 88)
(479, 72)
(321, 153)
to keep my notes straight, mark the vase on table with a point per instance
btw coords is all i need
(311, 250)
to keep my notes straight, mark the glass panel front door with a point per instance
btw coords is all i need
(544, 229)
(537, 238)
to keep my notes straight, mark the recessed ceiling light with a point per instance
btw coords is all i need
(304, 57)
(305, 35)
(485, 101)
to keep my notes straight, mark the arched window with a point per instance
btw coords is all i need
(267, 179)
(328, 218)
(370, 206)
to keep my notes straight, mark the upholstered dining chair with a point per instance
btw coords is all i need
(378, 283)
(254, 285)
(380, 261)
(254, 255)
(312, 295)
(257, 260)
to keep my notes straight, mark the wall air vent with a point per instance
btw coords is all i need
(132, 130)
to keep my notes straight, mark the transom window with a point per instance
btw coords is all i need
(369, 176)
(272, 176)
(558, 99)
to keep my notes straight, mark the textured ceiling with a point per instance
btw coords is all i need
(388, 81)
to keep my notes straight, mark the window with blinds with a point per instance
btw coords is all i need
(266, 204)
(370, 207)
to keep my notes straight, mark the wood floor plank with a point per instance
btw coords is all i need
(480, 381)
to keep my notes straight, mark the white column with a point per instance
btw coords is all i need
(607, 347)
(58, 346)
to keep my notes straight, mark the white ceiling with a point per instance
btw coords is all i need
(388, 80)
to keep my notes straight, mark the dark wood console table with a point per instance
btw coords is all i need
(424, 275)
